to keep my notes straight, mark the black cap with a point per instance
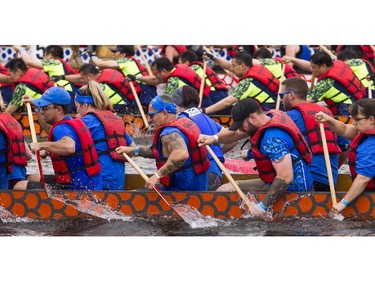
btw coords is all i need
(241, 110)
(124, 49)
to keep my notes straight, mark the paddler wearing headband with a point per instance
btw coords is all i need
(181, 164)
(107, 131)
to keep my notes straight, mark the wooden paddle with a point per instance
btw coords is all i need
(139, 104)
(144, 60)
(180, 209)
(328, 163)
(369, 89)
(281, 80)
(229, 177)
(202, 83)
(37, 154)
(312, 82)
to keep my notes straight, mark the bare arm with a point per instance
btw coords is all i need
(284, 176)
(104, 63)
(348, 131)
(150, 80)
(5, 79)
(175, 148)
(29, 154)
(27, 58)
(220, 105)
(303, 64)
(64, 147)
(357, 187)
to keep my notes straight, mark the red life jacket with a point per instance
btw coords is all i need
(36, 79)
(279, 120)
(4, 71)
(289, 71)
(215, 80)
(342, 73)
(88, 152)
(308, 111)
(200, 162)
(117, 82)
(190, 77)
(352, 154)
(367, 51)
(67, 68)
(16, 151)
(264, 80)
(179, 48)
(114, 132)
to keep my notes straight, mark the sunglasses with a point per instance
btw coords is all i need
(152, 114)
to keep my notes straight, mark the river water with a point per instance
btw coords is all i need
(153, 242)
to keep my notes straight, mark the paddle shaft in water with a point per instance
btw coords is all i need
(328, 163)
(229, 177)
(145, 177)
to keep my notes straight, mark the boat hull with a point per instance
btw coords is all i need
(220, 205)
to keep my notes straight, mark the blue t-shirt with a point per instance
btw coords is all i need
(318, 165)
(80, 179)
(113, 172)
(186, 179)
(365, 161)
(275, 144)
(4, 176)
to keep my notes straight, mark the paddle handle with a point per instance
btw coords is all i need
(202, 83)
(145, 177)
(144, 60)
(278, 100)
(229, 177)
(139, 104)
(312, 82)
(34, 139)
(328, 163)
(369, 89)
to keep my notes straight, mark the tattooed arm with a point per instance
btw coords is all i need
(174, 147)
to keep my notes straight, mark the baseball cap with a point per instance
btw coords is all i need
(241, 110)
(124, 49)
(54, 95)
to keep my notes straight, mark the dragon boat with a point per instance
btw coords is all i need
(135, 202)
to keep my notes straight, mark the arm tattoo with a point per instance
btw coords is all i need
(172, 142)
(278, 188)
(146, 151)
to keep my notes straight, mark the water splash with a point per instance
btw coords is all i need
(97, 209)
(8, 217)
(194, 218)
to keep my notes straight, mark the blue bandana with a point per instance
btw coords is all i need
(83, 99)
(160, 105)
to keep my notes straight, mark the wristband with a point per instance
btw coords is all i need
(215, 57)
(260, 204)
(138, 77)
(216, 138)
(156, 175)
(20, 50)
(344, 202)
(136, 153)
